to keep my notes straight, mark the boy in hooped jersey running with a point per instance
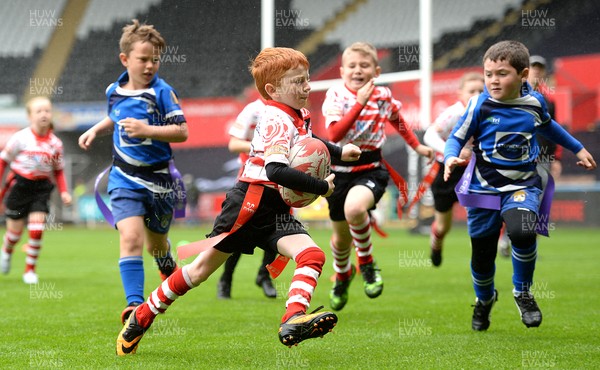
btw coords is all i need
(356, 112)
(144, 117)
(281, 76)
(502, 182)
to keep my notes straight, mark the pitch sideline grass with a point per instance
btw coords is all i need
(422, 320)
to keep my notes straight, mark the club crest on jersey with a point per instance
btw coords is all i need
(117, 112)
(519, 196)
(165, 220)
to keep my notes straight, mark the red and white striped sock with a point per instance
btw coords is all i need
(161, 298)
(341, 262)
(436, 238)
(361, 235)
(34, 244)
(11, 238)
(309, 264)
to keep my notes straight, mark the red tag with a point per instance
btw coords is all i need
(276, 267)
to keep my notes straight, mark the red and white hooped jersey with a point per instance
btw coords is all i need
(368, 131)
(279, 128)
(32, 156)
(445, 122)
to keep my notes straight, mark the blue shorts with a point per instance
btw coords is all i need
(484, 222)
(156, 209)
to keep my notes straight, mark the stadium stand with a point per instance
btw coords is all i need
(200, 65)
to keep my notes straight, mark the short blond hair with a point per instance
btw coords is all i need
(470, 76)
(364, 48)
(135, 32)
(35, 99)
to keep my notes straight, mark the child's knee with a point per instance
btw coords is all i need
(520, 227)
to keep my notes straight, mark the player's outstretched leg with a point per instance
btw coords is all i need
(304, 326)
(142, 316)
(130, 335)
(296, 325)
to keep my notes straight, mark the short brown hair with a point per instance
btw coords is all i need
(364, 48)
(135, 32)
(514, 52)
(271, 64)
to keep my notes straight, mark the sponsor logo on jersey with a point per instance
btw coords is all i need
(493, 120)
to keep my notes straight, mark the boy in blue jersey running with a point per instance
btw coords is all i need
(144, 116)
(505, 184)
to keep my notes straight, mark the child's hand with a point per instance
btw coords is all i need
(135, 128)
(329, 180)
(465, 153)
(425, 151)
(350, 153)
(450, 164)
(66, 198)
(364, 93)
(86, 139)
(585, 160)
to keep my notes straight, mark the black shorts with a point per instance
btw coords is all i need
(26, 196)
(443, 192)
(376, 180)
(271, 221)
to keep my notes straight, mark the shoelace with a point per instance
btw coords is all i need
(340, 286)
(527, 301)
(368, 271)
(317, 309)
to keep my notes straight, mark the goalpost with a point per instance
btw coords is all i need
(423, 74)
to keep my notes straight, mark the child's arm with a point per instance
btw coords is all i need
(237, 145)
(451, 156)
(171, 133)
(62, 187)
(433, 139)
(347, 153)
(397, 121)
(106, 126)
(337, 130)
(559, 135)
(291, 178)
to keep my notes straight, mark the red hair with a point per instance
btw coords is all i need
(271, 64)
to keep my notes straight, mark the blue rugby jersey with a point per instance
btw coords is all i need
(157, 105)
(505, 145)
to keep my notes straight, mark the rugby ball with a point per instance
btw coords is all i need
(311, 157)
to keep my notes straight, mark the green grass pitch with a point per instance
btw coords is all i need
(421, 321)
